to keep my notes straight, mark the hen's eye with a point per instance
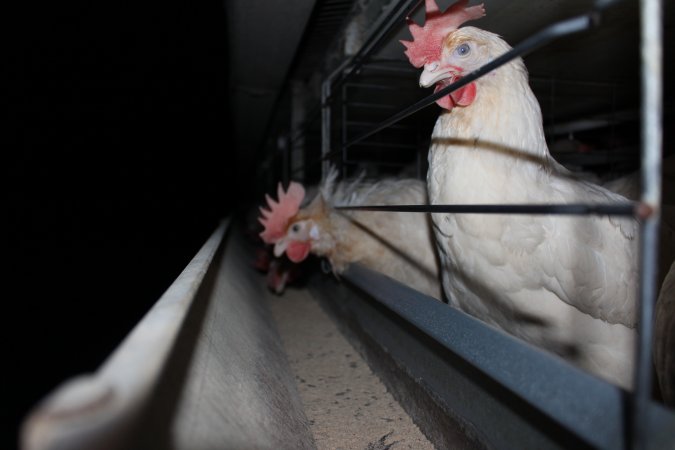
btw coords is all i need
(295, 228)
(463, 50)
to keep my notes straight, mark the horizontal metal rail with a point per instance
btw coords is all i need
(548, 34)
(593, 122)
(539, 400)
(392, 68)
(380, 87)
(303, 129)
(374, 162)
(574, 83)
(379, 145)
(574, 209)
(370, 105)
(361, 124)
(387, 21)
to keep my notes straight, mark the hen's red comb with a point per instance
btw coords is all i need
(275, 219)
(426, 44)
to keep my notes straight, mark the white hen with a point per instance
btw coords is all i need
(399, 245)
(567, 284)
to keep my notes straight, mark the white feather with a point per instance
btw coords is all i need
(567, 284)
(399, 245)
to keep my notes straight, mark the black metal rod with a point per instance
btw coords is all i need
(312, 116)
(389, 145)
(380, 87)
(371, 105)
(617, 209)
(361, 124)
(355, 162)
(381, 29)
(560, 29)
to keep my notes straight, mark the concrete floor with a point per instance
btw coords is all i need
(347, 405)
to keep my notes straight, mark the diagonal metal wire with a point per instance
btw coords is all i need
(543, 37)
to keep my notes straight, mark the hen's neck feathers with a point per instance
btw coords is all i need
(353, 236)
(505, 115)
(339, 239)
(497, 142)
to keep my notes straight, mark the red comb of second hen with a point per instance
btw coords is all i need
(275, 219)
(426, 44)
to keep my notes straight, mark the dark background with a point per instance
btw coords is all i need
(119, 158)
(118, 167)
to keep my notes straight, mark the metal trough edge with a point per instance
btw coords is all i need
(504, 392)
(204, 368)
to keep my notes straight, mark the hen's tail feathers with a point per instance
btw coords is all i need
(334, 192)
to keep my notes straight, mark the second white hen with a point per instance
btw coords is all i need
(399, 245)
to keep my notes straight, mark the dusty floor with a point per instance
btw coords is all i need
(347, 405)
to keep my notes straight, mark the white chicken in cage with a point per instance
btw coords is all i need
(399, 245)
(566, 284)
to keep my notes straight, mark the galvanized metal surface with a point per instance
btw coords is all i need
(510, 394)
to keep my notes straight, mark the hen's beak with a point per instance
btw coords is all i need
(433, 73)
(280, 248)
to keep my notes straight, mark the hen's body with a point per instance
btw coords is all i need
(399, 245)
(664, 338)
(567, 284)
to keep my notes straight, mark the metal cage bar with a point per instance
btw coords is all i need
(635, 430)
(652, 98)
